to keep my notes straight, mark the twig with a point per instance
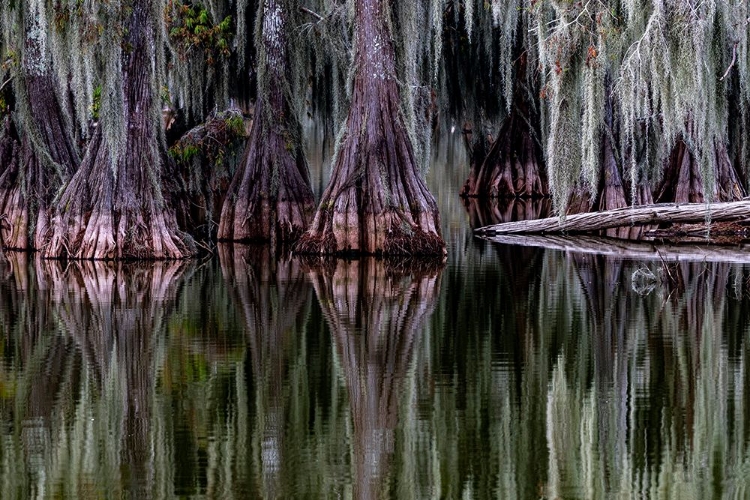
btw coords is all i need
(5, 83)
(312, 13)
(734, 59)
(205, 247)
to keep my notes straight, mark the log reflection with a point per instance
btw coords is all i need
(376, 311)
(646, 386)
(274, 298)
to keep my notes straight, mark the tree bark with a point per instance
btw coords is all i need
(114, 207)
(376, 202)
(513, 167)
(270, 198)
(610, 192)
(34, 163)
(683, 179)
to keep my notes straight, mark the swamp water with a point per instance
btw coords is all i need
(507, 372)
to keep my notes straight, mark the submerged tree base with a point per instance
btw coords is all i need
(386, 233)
(683, 180)
(98, 216)
(512, 168)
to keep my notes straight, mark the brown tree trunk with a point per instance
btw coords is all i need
(376, 202)
(270, 196)
(610, 192)
(114, 207)
(14, 219)
(43, 156)
(683, 179)
(513, 166)
(477, 147)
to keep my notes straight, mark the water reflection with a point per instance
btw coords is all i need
(377, 311)
(84, 345)
(599, 392)
(517, 372)
(274, 298)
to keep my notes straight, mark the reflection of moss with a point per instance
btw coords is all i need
(7, 389)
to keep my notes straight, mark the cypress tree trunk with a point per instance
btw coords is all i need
(270, 196)
(42, 156)
(683, 178)
(513, 166)
(610, 192)
(376, 202)
(114, 206)
(14, 218)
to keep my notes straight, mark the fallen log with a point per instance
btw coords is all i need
(628, 216)
(629, 250)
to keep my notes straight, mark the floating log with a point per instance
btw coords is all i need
(627, 216)
(631, 250)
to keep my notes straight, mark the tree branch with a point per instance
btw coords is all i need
(312, 13)
(734, 59)
(5, 83)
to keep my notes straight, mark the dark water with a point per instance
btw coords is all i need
(509, 372)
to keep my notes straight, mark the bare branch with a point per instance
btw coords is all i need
(312, 13)
(5, 83)
(734, 59)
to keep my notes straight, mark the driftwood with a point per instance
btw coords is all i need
(628, 216)
(632, 250)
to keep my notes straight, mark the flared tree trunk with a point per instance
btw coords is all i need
(35, 162)
(376, 202)
(114, 206)
(610, 192)
(683, 179)
(270, 198)
(513, 167)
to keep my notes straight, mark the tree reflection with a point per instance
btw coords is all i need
(377, 311)
(642, 398)
(274, 298)
(85, 375)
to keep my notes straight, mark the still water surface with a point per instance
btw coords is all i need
(507, 372)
